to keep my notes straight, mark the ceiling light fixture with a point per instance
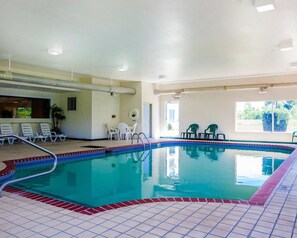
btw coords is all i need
(264, 5)
(55, 51)
(123, 68)
(286, 45)
(177, 95)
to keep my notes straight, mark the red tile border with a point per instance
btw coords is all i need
(91, 211)
(258, 199)
(271, 183)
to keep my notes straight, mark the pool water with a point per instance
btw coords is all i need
(174, 171)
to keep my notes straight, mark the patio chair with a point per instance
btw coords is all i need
(45, 131)
(124, 131)
(133, 128)
(210, 131)
(192, 130)
(28, 132)
(111, 132)
(6, 129)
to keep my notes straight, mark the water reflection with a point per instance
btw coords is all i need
(254, 170)
(172, 163)
(171, 171)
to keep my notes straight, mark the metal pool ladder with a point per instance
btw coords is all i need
(143, 156)
(33, 175)
(139, 139)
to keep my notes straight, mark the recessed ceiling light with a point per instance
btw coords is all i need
(55, 51)
(286, 45)
(264, 5)
(123, 68)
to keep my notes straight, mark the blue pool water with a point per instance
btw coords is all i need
(173, 171)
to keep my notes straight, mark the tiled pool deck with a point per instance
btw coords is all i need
(23, 217)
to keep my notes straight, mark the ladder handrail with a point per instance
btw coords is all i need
(33, 175)
(141, 133)
(138, 138)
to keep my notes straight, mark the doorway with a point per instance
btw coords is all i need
(171, 120)
(147, 119)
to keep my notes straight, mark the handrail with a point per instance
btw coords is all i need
(141, 133)
(138, 138)
(34, 175)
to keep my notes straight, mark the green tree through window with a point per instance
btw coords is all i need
(266, 116)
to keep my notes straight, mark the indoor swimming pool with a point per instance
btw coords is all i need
(175, 170)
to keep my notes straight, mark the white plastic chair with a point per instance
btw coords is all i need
(6, 129)
(111, 132)
(45, 131)
(124, 131)
(28, 132)
(133, 128)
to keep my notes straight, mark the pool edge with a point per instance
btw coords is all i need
(258, 199)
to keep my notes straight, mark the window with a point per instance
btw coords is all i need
(21, 107)
(71, 104)
(266, 116)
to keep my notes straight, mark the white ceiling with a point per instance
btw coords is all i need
(184, 40)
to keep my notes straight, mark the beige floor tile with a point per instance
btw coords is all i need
(169, 219)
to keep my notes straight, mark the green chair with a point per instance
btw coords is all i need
(192, 130)
(210, 131)
(294, 135)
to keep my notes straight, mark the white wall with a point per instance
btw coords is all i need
(129, 102)
(103, 107)
(78, 124)
(218, 107)
(94, 110)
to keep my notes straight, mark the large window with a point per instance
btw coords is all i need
(266, 116)
(21, 107)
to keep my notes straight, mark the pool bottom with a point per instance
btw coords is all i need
(258, 199)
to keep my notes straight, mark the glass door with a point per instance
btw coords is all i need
(171, 125)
